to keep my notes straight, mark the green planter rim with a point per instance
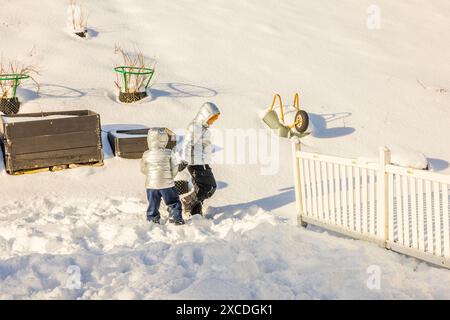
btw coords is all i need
(124, 70)
(129, 70)
(16, 77)
(13, 76)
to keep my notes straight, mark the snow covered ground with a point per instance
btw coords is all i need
(363, 88)
(232, 254)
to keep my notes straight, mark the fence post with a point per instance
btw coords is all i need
(383, 194)
(297, 183)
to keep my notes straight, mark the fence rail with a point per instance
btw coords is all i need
(403, 209)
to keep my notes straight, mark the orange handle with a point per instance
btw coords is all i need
(296, 103)
(281, 105)
(296, 106)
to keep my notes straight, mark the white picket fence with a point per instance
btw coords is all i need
(402, 209)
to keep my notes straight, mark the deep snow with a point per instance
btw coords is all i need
(363, 89)
(230, 254)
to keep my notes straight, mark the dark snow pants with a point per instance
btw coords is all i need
(171, 199)
(204, 187)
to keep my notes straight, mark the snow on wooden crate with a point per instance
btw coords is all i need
(41, 140)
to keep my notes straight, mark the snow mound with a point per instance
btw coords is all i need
(405, 157)
(234, 254)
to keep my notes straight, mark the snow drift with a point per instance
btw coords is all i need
(363, 88)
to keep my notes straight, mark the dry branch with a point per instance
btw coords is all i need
(15, 67)
(78, 16)
(135, 59)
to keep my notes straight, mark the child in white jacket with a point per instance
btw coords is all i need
(196, 152)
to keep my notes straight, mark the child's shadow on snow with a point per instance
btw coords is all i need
(270, 203)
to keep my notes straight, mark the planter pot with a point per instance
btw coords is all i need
(132, 143)
(130, 97)
(9, 105)
(128, 144)
(182, 186)
(81, 33)
(50, 139)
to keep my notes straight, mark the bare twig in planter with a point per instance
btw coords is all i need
(78, 16)
(135, 59)
(15, 67)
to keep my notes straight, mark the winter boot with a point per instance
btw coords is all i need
(197, 209)
(156, 220)
(187, 204)
(179, 222)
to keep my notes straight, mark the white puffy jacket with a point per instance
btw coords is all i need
(159, 164)
(197, 147)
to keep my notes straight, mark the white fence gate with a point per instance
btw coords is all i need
(403, 209)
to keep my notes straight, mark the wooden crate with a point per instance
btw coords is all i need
(131, 143)
(50, 139)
